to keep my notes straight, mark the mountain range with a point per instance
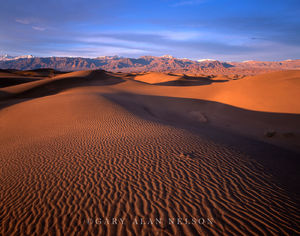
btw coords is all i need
(165, 63)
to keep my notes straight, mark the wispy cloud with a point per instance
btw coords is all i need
(184, 28)
(179, 35)
(34, 23)
(188, 3)
(38, 28)
(91, 51)
(24, 21)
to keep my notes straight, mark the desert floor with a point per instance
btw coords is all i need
(97, 153)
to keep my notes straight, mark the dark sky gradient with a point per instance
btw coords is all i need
(220, 29)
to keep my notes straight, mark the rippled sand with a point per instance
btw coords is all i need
(72, 157)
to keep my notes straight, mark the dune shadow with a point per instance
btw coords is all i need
(3, 94)
(8, 70)
(6, 82)
(57, 86)
(6, 100)
(42, 72)
(191, 81)
(283, 163)
(15, 77)
(54, 86)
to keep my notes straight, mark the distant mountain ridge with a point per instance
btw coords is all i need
(144, 64)
(7, 57)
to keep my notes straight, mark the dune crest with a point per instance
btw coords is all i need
(156, 77)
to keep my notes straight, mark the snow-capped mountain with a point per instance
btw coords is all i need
(168, 56)
(7, 57)
(144, 63)
(201, 60)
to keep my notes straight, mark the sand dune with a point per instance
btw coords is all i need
(88, 145)
(58, 83)
(39, 72)
(171, 79)
(267, 95)
(9, 78)
(270, 92)
(156, 77)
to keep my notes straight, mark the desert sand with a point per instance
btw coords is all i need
(93, 153)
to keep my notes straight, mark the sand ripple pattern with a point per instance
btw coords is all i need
(107, 162)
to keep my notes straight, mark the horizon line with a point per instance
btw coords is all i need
(163, 56)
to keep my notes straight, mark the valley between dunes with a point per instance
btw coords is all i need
(83, 146)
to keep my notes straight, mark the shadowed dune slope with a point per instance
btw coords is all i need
(271, 92)
(100, 149)
(59, 83)
(170, 79)
(15, 77)
(45, 72)
(9, 78)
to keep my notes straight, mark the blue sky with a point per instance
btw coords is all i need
(228, 30)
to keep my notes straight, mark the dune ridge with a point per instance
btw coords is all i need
(269, 92)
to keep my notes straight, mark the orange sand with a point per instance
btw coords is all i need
(86, 145)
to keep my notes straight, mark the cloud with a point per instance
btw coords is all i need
(272, 28)
(134, 44)
(24, 21)
(188, 3)
(90, 51)
(180, 35)
(30, 21)
(218, 29)
(38, 28)
(157, 42)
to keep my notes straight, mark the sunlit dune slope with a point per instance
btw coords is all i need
(271, 92)
(156, 77)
